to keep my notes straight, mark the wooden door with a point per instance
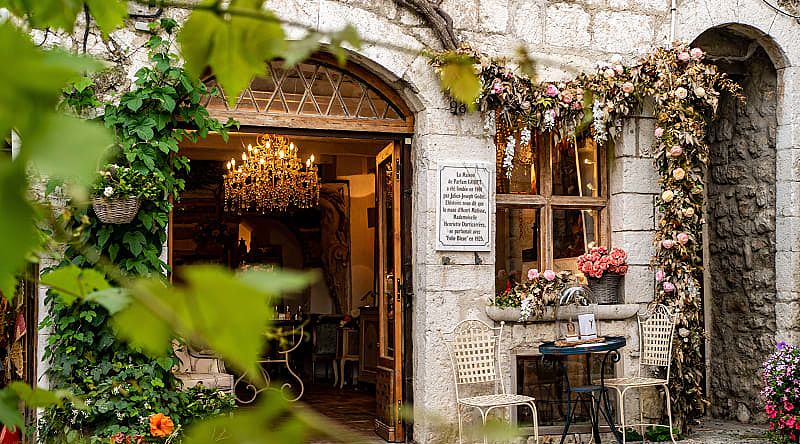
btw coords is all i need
(388, 386)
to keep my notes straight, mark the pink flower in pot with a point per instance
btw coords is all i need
(533, 274)
(550, 275)
(551, 90)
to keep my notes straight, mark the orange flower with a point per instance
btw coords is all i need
(161, 425)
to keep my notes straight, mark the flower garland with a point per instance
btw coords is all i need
(685, 93)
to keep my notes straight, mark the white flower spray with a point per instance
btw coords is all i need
(489, 124)
(599, 122)
(508, 155)
(526, 309)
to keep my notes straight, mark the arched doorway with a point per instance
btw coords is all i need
(740, 291)
(358, 129)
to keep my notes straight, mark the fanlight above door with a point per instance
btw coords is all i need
(316, 94)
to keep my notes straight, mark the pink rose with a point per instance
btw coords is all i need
(684, 56)
(627, 87)
(676, 151)
(533, 274)
(551, 90)
(550, 275)
(668, 287)
(660, 275)
(497, 87)
(683, 238)
(696, 53)
(667, 243)
(566, 97)
(658, 132)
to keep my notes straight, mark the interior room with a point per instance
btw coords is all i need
(334, 366)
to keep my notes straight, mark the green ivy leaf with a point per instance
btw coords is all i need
(135, 241)
(10, 415)
(71, 282)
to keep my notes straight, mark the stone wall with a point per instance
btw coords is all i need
(741, 229)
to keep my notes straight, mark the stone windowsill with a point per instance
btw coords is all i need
(613, 312)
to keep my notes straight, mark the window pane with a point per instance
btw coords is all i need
(525, 170)
(574, 232)
(517, 242)
(575, 166)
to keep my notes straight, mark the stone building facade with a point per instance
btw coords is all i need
(753, 286)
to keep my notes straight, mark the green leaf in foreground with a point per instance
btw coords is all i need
(459, 79)
(31, 397)
(109, 14)
(72, 282)
(214, 308)
(16, 224)
(266, 423)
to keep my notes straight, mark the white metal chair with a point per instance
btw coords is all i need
(474, 353)
(656, 332)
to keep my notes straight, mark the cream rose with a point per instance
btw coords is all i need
(667, 196)
(681, 93)
(678, 173)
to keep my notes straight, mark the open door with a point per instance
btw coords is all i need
(389, 377)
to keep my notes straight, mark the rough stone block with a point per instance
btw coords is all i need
(527, 21)
(609, 26)
(567, 25)
(625, 143)
(638, 285)
(305, 12)
(646, 140)
(494, 15)
(638, 244)
(787, 269)
(633, 175)
(651, 5)
(458, 277)
(787, 315)
(632, 212)
(463, 12)
(787, 164)
(787, 233)
(432, 149)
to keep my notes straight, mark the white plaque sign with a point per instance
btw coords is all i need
(463, 213)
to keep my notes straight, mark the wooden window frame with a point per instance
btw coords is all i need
(546, 202)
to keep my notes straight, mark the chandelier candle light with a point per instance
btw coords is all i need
(270, 177)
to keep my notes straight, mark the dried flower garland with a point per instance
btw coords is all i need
(685, 94)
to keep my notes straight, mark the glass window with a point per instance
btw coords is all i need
(551, 208)
(575, 168)
(517, 243)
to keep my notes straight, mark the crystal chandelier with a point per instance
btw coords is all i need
(270, 177)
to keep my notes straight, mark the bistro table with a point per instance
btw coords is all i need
(602, 404)
(293, 335)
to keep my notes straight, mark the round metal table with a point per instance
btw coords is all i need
(601, 403)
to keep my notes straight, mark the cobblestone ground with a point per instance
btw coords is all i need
(709, 432)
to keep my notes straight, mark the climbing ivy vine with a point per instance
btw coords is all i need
(120, 385)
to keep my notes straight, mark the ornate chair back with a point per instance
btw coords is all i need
(474, 354)
(656, 332)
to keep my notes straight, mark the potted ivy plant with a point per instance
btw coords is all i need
(604, 270)
(119, 191)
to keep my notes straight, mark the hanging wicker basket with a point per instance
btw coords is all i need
(606, 288)
(116, 211)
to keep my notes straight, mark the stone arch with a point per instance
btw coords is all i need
(776, 33)
(740, 280)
